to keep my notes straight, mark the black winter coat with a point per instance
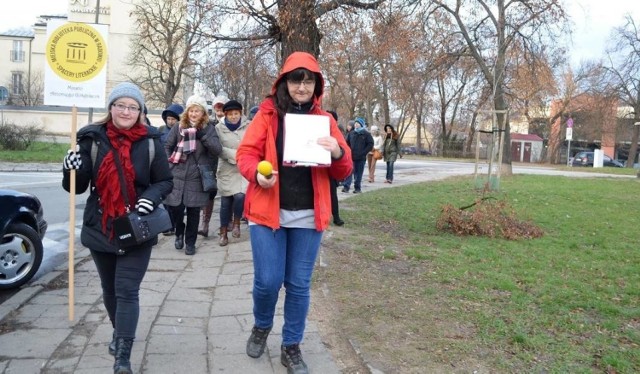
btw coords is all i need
(361, 143)
(153, 181)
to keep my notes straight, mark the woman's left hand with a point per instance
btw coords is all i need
(330, 144)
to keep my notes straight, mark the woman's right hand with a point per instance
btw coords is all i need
(72, 160)
(265, 182)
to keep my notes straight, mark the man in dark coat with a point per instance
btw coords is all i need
(361, 143)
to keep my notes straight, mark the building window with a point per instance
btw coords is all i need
(16, 84)
(17, 53)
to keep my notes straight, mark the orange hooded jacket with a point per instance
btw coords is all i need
(261, 205)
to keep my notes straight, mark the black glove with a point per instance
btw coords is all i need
(200, 134)
(72, 160)
(144, 206)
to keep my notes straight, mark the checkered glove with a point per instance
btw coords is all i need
(144, 206)
(72, 160)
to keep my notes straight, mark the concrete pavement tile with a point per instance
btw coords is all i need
(185, 309)
(32, 343)
(178, 344)
(189, 322)
(25, 366)
(228, 344)
(151, 298)
(196, 279)
(20, 298)
(240, 256)
(3, 365)
(177, 329)
(232, 293)
(225, 325)
(241, 363)
(320, 362)
(230, 279)
(100, 362)
(244, 267)
(190, 294)
(231, 307)
(62, 365)
(31, 312)
(167, 264)
(176, 363)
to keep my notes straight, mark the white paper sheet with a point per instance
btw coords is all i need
(301, 133)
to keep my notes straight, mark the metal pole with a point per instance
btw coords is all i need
(90, 114)
(569, 154)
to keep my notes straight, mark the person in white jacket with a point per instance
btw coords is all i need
(377, 150)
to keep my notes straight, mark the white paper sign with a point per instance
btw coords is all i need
(301, 133)
(76, 64)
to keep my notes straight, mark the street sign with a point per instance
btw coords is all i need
(570, 122)
(75, 72)
(569, 133)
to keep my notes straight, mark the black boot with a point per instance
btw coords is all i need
(257, 341)
(179, 242)
(123, 354)
(112, 345)
(291, 358)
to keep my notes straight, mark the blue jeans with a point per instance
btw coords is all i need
(346, 184)
(284, 256)
(390, 171)
(358, 170)
(231, 206)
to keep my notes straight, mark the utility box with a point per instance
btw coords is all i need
(598, 158)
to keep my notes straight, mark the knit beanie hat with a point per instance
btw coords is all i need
(219, 100)
(126, 89)
(374, 128)
(197, 100)
(361, 121)
(231, 105)
(174, 110)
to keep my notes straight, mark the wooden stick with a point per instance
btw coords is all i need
(72, 215)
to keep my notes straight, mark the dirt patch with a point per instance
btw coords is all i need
(383, 312)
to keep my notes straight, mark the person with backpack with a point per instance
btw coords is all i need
(122, 137)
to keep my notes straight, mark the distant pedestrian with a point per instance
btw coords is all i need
(170, 116)
(391, 150)
(335, 207)
(377, 150)
(361, 143)
(252, 112)
(346, 183)
(123, 133)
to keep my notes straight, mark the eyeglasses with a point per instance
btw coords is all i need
(122, 108)
(306, 83)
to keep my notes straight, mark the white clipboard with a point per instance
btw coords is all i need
(301, 133)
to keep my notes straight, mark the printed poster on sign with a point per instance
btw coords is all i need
(76, 64)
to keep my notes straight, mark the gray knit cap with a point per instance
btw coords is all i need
(126, 89)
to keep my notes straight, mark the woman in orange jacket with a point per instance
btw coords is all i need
(289, 210)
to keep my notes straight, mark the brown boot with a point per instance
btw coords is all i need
(224, 240)
(236, 228)
(205, 217)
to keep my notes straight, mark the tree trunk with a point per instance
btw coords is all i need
(634, 143)
(298, 30)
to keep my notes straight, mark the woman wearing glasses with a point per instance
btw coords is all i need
(288, 210)
(147, 182)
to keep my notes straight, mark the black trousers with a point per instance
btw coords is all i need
(335, 210)
(120, 278)
(190, 230)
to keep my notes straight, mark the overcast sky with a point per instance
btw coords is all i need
(593, 19)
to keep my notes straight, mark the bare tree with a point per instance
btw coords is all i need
(169, 33)
(489, 29)
(624, 68)
(31, 93)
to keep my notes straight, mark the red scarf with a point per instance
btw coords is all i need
(108, 182)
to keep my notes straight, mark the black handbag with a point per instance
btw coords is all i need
(132, 229)
(208, 177)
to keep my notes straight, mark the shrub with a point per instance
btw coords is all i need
(18, 138)
(486, 217)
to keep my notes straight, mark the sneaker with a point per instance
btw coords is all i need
(345, 190)
(291, 358)
(338, 222)
(191, 250)
(357, 191)
(257, 341)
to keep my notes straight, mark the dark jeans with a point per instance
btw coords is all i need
(231, 205)
(120, 277)
(390, 171)
(190, 231)
(346, 184)
(358, 170)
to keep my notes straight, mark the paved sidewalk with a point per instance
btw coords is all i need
(195, 317)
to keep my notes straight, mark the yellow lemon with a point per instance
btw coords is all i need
(265, 168)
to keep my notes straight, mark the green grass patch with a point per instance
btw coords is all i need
(37, 152)
(566, 302)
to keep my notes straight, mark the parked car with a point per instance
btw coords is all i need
(22, 228)
(586, 159)
(412, 150)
